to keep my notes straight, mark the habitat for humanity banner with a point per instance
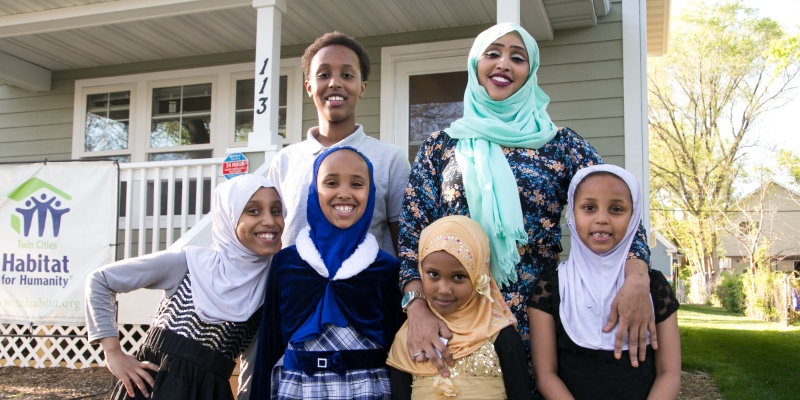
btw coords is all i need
(57, 220)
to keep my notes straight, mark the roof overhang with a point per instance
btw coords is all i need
(38, 38)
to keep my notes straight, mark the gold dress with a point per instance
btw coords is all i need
(476, 376)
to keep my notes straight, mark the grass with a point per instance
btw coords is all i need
(748, 359)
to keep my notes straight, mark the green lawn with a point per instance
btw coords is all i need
(748, 359)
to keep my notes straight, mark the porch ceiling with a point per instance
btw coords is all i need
(38, 37)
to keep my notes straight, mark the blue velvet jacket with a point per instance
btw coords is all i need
(369, 301)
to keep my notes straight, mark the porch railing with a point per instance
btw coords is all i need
(161, 201)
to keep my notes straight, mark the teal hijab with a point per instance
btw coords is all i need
(519, 121)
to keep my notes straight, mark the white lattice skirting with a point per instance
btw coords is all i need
(42, 346)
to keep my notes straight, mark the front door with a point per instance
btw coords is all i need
(422, 90)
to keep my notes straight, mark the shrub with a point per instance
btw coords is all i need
(764, 293)
(730, 292)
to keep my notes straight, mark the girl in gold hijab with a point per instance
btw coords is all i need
(458, 286)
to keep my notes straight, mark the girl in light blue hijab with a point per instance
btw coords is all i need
(519, 120)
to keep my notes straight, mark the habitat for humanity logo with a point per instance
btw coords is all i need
(32, 208)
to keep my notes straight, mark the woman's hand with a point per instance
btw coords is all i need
(126, 368)
(633, 309)
(424, 331)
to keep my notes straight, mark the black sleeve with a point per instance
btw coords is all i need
(393, 315)
(401, 384)
(664, 301)
(514, 364)
(541, 297)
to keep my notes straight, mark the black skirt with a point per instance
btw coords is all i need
(186, 369)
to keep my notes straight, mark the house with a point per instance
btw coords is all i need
(770, 213)
(169, 88)
(664, 255)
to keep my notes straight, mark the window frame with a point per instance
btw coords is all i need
(222, 79)
(144, 145)
(79, 122)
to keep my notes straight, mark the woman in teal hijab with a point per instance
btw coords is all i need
(506, 165)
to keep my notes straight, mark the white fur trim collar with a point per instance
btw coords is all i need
(363, 257)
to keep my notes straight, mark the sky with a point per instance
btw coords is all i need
(776, 127)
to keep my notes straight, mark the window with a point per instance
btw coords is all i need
(106, 124)
(422, 88)
(748, 227)
(243, 125)
(435, 101)
(177, 115)
(107, 121)
(181, 116)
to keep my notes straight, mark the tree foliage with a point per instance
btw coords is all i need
(789, 164)
(726, 66)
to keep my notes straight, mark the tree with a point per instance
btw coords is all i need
(789, 164)
(725, 68)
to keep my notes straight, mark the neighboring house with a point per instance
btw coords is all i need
(170, 88)
(664, 256)
(769, 213)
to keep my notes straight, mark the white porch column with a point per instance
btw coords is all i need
(264, 137)
(508, 11)
(634, 82)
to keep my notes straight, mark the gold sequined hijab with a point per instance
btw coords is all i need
(482, 316)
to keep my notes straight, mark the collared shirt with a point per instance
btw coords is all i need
(292, 169)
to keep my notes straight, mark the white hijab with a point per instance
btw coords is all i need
(228, 279)
(588, 282)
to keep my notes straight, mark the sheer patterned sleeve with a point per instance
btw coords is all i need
(542, 295)
(420, 203)
(582, 154)
(664, 301)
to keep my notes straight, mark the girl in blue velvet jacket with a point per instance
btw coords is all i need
(332, 304)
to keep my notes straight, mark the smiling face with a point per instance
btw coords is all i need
(445, 282)
(343, 187)
(504, 66)
(603, 209)
(334, 83)
(261, 224)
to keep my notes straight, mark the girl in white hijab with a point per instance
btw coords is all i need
(572, 356)
(210, 312)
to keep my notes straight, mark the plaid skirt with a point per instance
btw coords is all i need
(366, 384)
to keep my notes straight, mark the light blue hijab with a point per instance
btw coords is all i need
(518, 121)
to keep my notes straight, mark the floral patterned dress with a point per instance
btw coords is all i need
(435, 189)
